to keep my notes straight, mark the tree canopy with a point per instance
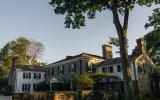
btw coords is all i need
(27, 51)
(153, 45)
(154, 20)
(77, 10)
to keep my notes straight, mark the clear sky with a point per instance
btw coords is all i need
(35, 19)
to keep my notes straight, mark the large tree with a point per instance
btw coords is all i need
(153, 37)
(27, 51)
(154, 20)
(76, 10)
(153, 45)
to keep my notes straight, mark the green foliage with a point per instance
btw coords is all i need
(83, 81)
(97, 77)
(21, 48)
(114, 41)
(153, 47)
(42, 87)
(59, 86)
(75, 10)
(3, 85)
(154, 20)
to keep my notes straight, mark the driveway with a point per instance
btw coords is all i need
(5, 97)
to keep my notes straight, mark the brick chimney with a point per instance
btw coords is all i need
(141, 43)
(107, 51)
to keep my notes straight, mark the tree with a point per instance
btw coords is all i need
(154, 20)
(153, 37)
(75, 11)
(26, 50)
(153, 47)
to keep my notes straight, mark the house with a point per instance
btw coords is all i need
(24, 78)
(141, 66)
(66, 69)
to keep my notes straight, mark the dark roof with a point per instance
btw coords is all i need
(116, 60)
(30, 68)
(76, 56)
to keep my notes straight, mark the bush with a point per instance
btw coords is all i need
(3, 85)
(60, 86)
(42, 87)
(84, 82)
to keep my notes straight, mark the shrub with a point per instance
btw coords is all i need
(83, 82)
(42, 87)
(60, 86)
(3, 85)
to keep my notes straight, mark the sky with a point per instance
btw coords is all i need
(35, 19)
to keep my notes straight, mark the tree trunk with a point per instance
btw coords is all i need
(125, 66)
(122, 34)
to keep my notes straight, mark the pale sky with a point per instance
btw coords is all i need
(35, 19)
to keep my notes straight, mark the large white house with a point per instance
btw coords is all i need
(24, 78)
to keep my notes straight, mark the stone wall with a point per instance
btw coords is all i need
(144, 85)
(58, 95)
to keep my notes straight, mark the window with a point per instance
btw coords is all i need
(104, 69)
(26, 87)
(52, 71)
(61, 70)
(141, 68)
(118, 68)
(37, 76)
(111, 69)
(88, 67)
(49, 72)
(34, 87)
(26, 75)
(72, 68)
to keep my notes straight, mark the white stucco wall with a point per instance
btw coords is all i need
(31, 81)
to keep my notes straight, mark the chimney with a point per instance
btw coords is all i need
(141, 43)
(107, 51)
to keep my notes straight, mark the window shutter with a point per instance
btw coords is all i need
(23, 86)
(75, 68)
(63, 69)
(39, 75)
(93, 68)
(34, 76)
(86, 66)
(58, 71)
(23, 75)
(29, 75)
(69, 68)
